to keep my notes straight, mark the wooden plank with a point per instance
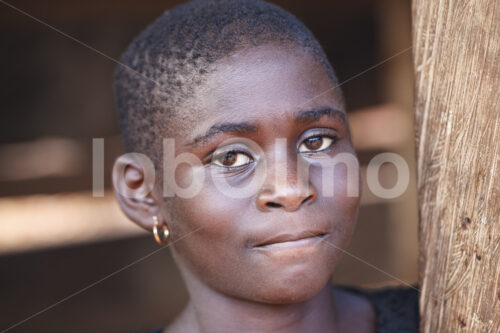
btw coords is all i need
(456, 59)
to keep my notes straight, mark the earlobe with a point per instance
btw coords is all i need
(133, 194)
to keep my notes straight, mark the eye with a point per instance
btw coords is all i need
(316, 143)
(232, 159)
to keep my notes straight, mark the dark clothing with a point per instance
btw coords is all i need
(396, 309)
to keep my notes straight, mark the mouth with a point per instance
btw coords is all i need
(292, 241)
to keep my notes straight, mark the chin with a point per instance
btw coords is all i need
(294, 286)
(285, 277)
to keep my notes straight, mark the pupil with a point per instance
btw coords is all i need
(314, 143)
(229, 158)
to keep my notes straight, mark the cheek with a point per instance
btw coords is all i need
(339, 183)
(338, 198)
(213, 248)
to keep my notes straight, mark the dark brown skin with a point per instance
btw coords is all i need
(235, 283)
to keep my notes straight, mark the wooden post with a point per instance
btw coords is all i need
(457, 111)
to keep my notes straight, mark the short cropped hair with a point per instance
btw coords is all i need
(165, 63)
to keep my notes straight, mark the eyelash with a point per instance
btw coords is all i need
(333, 139)
(233, 151)
(237, 152)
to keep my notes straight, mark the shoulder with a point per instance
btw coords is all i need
(396, 309)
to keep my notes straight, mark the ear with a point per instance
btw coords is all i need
(133, 180)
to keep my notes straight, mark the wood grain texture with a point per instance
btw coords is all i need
(457, 107)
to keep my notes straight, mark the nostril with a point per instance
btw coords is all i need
(307, 199)
(273, 205)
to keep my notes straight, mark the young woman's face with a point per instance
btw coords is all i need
(265, 113)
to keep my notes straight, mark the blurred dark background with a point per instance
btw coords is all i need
(56, 96)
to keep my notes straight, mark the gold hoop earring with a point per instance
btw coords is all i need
(161, 236)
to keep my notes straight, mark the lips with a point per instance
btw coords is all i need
(308, 237)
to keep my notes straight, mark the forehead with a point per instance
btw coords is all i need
(262, 84)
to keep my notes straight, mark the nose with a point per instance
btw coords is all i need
(289, 187)
(289, 197)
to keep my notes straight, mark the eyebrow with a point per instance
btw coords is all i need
(247, 127)
(238, 128)
(316, 114)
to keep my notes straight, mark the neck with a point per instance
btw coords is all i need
(211, 311)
